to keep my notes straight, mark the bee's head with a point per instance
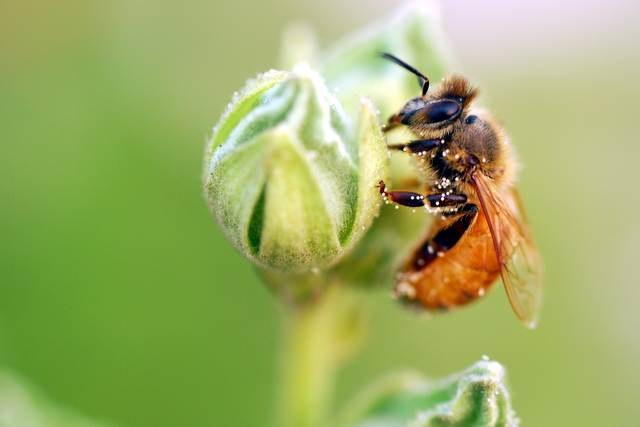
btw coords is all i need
(435, 113)
(440, 108)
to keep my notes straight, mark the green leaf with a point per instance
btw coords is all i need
(476, 397)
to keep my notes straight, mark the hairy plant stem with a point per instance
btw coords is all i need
(318, 337)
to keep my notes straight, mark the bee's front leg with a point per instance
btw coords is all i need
(392, 123)
(420, 147)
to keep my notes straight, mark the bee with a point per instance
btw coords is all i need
(481, 231)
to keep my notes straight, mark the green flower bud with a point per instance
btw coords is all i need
(475, 397)
(289, 178)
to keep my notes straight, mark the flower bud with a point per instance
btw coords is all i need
(288, 177)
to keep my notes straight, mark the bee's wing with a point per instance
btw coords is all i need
(520, 263)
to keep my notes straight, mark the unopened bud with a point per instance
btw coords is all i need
(288, 176)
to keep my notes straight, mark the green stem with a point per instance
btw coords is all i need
(318, 336)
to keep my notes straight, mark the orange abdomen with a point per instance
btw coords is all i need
(455, 276)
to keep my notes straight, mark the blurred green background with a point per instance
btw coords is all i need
(120, 297)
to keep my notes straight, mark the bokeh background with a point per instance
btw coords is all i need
(120, 298)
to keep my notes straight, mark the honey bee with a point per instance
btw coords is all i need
(481, 231)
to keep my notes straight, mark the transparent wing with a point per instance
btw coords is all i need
(520, 263)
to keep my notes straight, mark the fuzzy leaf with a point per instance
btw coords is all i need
(476, 397)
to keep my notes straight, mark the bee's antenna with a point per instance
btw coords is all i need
(424, 80)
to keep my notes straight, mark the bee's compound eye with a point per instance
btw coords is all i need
(471, 119)
(441, 111)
